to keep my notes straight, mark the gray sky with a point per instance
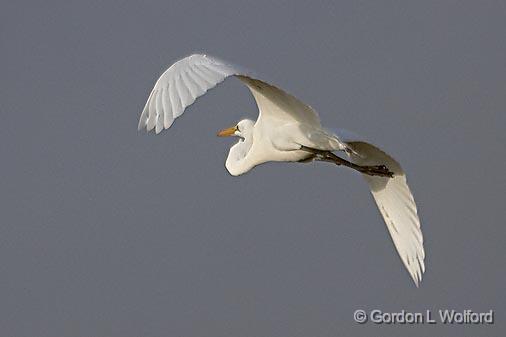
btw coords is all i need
(106, 231)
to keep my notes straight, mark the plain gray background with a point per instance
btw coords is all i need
(106, 231)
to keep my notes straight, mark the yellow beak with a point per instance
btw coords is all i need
(227, 132)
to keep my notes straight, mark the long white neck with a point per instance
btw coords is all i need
(237, 161)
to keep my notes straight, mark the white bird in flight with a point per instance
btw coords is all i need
(289, 130)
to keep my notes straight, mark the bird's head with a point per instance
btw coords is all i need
(243, 130)
(236, 162)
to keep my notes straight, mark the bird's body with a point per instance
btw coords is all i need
(279, 132)
(270, 142)
(289, 130)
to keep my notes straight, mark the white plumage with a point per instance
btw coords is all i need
(289, 130)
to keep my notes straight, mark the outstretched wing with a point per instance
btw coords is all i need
(395, 202)
(275, 104)
(189, 78)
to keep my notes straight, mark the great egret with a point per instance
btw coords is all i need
(289, 130)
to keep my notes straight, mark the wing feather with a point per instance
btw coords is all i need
(159, 113)
(207, 79)
(192, 88)
(143, 120)
(189, 78)
(216, 69)
(168, 117)
(175, 101)
(183, 92)
(200, 82)
(152, 111)
(395, 203)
